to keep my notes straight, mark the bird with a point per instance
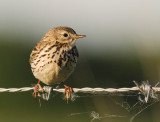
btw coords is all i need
(54, 57)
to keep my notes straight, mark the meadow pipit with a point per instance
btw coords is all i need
(55, 57)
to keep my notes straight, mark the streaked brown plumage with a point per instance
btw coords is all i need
(55, 56)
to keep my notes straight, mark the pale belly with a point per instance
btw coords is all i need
(54, 70)
(53, 74)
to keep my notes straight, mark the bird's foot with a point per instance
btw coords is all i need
(36, 90)
(68, 91)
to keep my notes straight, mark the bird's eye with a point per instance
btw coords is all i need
(65, 35)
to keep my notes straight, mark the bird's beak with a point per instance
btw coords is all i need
(79, 36)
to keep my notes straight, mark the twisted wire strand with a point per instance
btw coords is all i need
(23, 89)
(99, 90)
(145, 90)
(78, 90)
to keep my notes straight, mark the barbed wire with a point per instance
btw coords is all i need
(16, 89)
(76, 90)
(145, 90)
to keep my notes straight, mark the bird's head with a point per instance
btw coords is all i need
(63, 35)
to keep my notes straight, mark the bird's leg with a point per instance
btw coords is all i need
(36, 89)
(68, 91)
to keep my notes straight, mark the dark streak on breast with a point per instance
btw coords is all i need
(42, 48)
(35, 49)
(60, 62)
(42, 55)
(53, 56)
(50, 48)
(33, 54)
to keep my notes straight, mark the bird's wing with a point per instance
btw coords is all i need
(37, 49)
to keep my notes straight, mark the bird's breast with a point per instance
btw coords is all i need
(54, 64)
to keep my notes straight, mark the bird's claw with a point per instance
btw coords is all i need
(68, 91)
(37, 89)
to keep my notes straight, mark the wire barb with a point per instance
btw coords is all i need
(146, 91)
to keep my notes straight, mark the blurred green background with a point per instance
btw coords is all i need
(122, 45)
